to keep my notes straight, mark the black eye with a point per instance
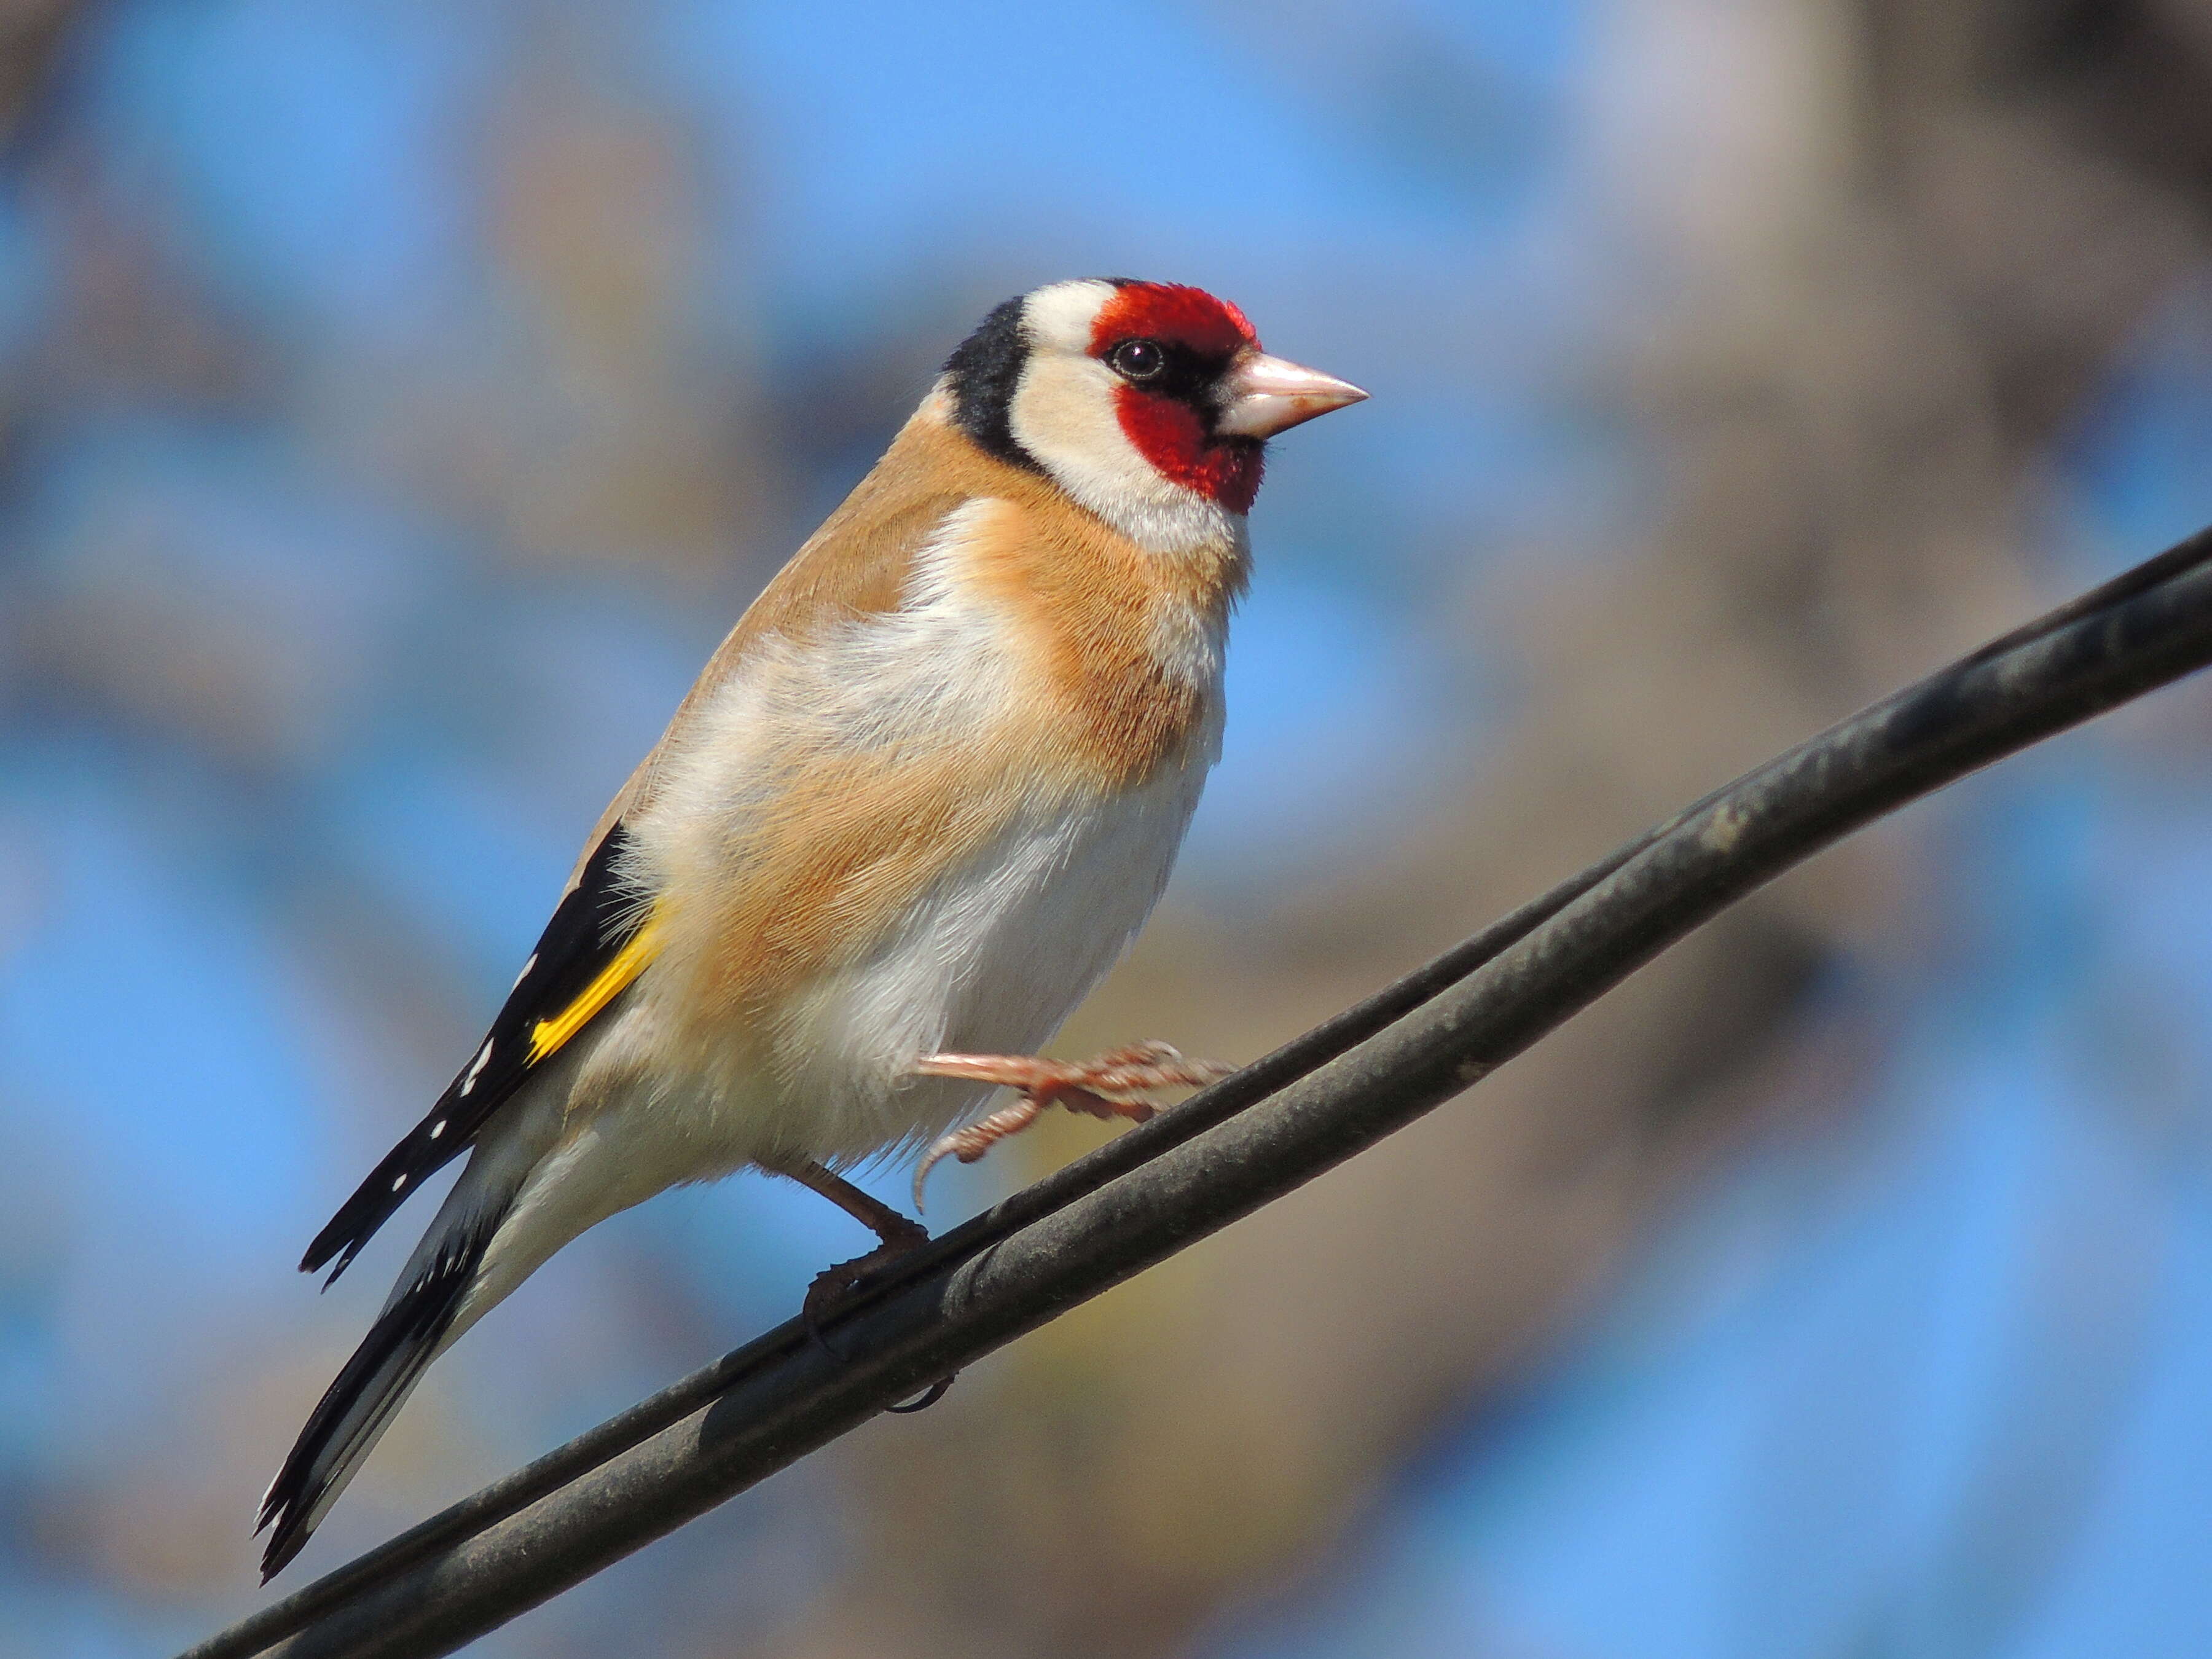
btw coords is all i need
(1137, 360)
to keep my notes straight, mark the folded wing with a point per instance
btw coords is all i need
(601, 937)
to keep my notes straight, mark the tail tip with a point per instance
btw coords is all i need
(278, 1511)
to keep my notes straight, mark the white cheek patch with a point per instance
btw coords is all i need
(1063, 416)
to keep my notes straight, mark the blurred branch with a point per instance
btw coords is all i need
(1274, 1127)
(32, 34)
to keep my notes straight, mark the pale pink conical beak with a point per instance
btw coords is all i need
(1261, 395)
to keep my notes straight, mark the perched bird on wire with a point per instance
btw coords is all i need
(918, 803)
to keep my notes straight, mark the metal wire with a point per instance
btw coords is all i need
(1272, 1127)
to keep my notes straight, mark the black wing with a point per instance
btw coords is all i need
(594, 945)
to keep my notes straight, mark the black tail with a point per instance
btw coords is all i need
(356, 1409)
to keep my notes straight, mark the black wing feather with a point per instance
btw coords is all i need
(599, 915)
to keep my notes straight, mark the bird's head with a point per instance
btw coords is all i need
(1149, 402)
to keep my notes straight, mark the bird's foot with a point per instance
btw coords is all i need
(833, 1286)
(1112, 1085)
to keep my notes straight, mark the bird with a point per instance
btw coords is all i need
(920, 799)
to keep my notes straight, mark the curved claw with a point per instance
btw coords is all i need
(930, 1160)
(978, 1138)
(928, 1397)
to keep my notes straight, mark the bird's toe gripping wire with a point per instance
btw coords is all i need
(832, 1285)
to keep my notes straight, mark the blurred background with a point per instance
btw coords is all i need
(398, 401)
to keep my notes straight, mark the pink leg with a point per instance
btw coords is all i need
(1113, 1085)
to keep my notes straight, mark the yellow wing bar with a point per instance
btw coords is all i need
(547, 1037)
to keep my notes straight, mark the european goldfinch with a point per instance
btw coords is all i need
(918, 803)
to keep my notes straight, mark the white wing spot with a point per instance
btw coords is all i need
(437, 1129)
(476, 1066)
(397, 1181)
(525, 974)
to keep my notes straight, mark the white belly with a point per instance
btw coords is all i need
(992, 961)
